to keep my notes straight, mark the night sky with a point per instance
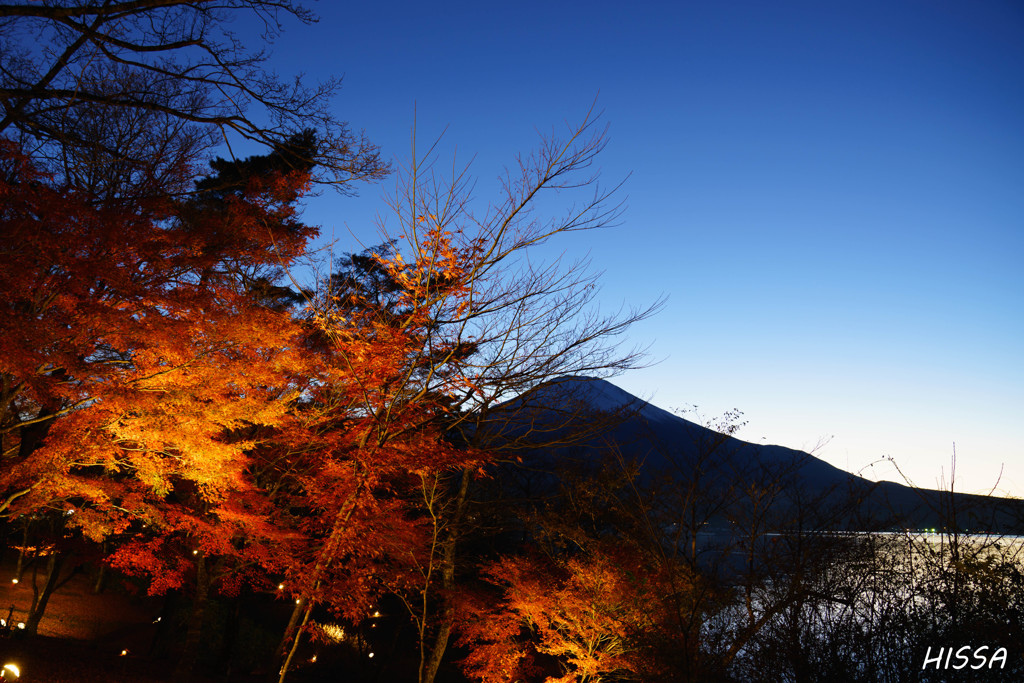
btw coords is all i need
(831, 194)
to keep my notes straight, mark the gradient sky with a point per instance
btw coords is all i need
(831, 194)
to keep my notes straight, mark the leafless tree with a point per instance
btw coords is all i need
(133, 81)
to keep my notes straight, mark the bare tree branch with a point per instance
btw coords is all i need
(177, 59)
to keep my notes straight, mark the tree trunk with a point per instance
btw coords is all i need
(286, 639)
(438, 649)
(101, 580)
(307, 609)
(231, 628)
(158, 646)
(19, 570)
(53, 565)
(429, 668)
(101, 575)
(304, 603)
(193, 636)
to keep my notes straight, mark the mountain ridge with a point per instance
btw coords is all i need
(594, 423)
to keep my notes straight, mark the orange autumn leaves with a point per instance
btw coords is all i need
(128, 342)
(136, 366)
(564, 619)
(149, 388)
(397, 357)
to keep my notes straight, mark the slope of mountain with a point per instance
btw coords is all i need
(593, 424)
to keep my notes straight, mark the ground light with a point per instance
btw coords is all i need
(10, 672)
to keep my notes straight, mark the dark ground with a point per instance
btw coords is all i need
(82, 635)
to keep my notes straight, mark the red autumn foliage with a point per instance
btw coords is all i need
(135, 360)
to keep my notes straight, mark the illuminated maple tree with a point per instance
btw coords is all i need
(139, 353)
(164, 394)
(371, 421)
(420, 339)
(564, 619)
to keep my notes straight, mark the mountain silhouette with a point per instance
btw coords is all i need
(591, 425)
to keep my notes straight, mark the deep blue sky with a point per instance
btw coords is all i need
(831, 194)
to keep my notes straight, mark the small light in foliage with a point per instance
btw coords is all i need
(124, 653)
(195, 552)
(313, 659)
(21, 624)
(280, 586)
(371, 655)
(14, 581)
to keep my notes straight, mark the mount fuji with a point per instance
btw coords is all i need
(593, 424)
